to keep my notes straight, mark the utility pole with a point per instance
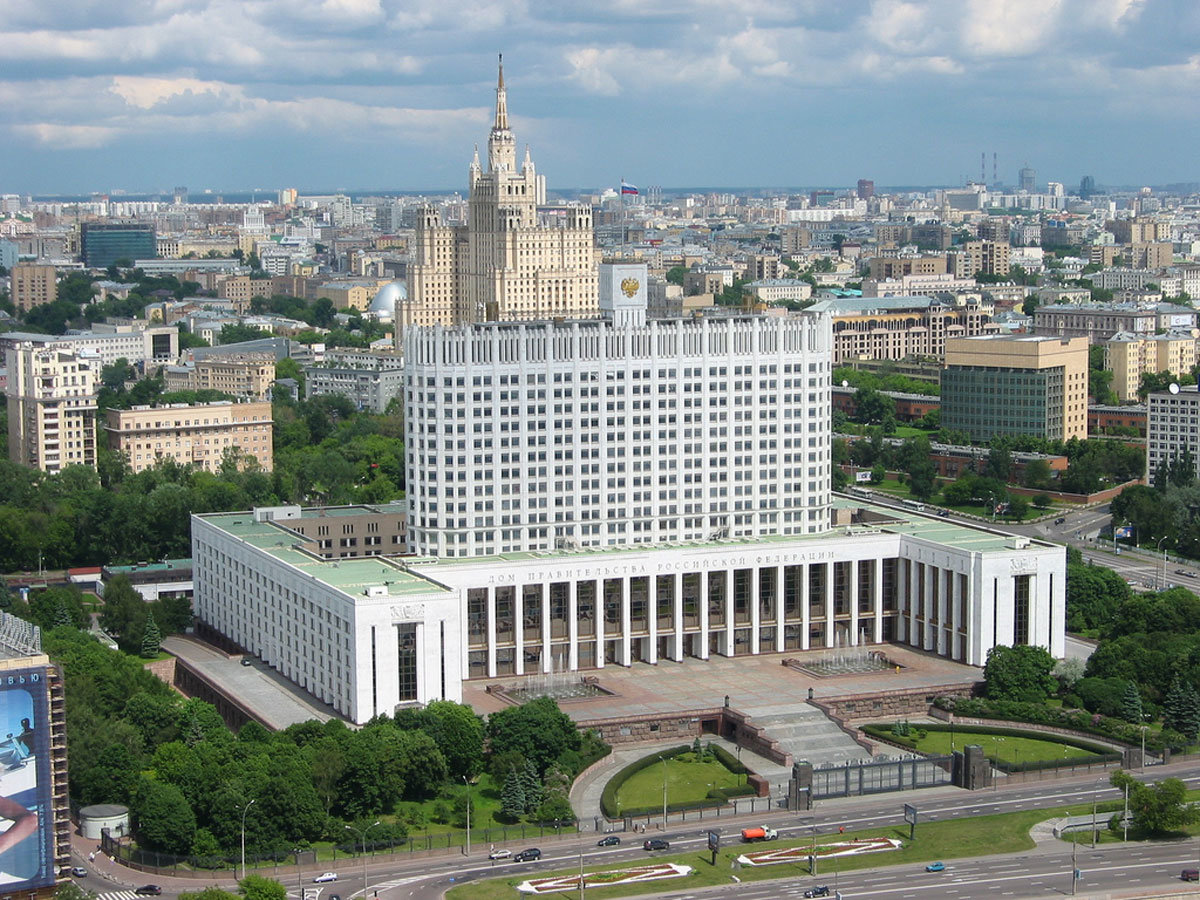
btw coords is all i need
(468, 784)
(580, 875)
(363, 833)
(1074, 868)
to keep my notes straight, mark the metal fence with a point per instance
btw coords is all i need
(878, 776)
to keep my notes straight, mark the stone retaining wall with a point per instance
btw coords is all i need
(892, 704)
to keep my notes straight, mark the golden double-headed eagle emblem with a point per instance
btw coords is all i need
(630, 286)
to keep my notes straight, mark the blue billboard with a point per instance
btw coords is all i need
(26, 797)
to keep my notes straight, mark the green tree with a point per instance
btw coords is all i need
(1159, 808)
(121, 606)
(1177, 710)
(256, 887)
(538, 730)
(1131, 703)
(1020, 673)
(163, 819)
(676, 274)
(459, 734)
(531, 786)
(209, 893)
(874, 408)
(512, 796)
(151, 638)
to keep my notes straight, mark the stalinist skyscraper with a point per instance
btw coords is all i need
(515, 259)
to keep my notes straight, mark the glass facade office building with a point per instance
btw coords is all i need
(985, 401)
(103, 245)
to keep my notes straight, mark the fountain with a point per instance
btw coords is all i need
(558, 684)
(845, 658)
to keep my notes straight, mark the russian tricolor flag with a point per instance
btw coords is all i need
(629, 188)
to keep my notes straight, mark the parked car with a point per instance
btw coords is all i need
(149, 890)
(936, 867)
(821, 890)
(79, 871)
(1060, 520)
(1190, 874)
(610, 840)
(656, 844)
(325, 878)
(500, 853)
(528, 855)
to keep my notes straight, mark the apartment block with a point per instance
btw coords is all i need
(987, 257)
(1172, 427)
(1128, 356)
(369, 381)
(197, 435)
(1016, 384)
(51, 407)
(886, 267)
(900, 327)
(33, 285)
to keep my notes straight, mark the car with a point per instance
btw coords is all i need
(1060, 520)
(610, 840)
(936, 867)
(528, 855)
(656, 844)
(247, 661)
(944, 514)
(148, 890)
(335, 897)
(821, 890)
(500, 853)
(1190, 875)
(325, 878)
(79, 871)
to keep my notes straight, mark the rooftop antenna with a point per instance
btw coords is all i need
(995, 168)
(983, 167)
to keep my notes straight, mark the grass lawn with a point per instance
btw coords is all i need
(985, 835)
(687, 780)
(1012, 749)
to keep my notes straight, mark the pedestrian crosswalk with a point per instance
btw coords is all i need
(119, 895)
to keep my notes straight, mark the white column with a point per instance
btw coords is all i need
(805, 620)
(677, 617)
(852, 587)
(703, 615)
(755, 608)
(829, 627)
(519, 627)
(955, 622)
(652, 618)
(491, 631)
(626, 624)
(877, 597)
(914, 639)
(572, 626)
(729, 612)
(928, 643)
(780, 594)
(547, 657)
(599, 588)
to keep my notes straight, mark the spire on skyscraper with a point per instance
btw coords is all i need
(501, 101)
(502, 146)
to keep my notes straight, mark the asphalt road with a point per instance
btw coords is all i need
(1042, 872)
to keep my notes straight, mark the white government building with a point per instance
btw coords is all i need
(588, 494)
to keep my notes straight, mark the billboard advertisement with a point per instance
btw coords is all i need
(26, 797)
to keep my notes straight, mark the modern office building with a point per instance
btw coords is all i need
(32, 285)
(196, 435)
(1129, 356)
(1172, 427)
(610, 492)
(1016, 384)
(102, 245)
(515, 259)
(51, 407)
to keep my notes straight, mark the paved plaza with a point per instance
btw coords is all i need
(756, 685)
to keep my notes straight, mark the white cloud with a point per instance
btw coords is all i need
(60, 136)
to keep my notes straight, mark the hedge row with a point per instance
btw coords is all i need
(727, 759)
(1076, 719)
(715, 797)
(1102, 752)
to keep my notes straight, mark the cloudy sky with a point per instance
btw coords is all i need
(142, 95)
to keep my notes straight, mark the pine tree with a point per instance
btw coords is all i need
(1175, 705)
(1189, 724)
(151, 638)
(62, 615)
(531, 785)
(1131, 703)
(512, 796)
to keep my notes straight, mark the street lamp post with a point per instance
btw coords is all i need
(245, 810)
(1163, 584)
(468, 784)
(664, 762)
(363, 835)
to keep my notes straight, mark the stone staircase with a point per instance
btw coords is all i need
(808, 734)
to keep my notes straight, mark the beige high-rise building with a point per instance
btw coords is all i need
(196, 435)
(1016, 384)
(33, 285)
(51, 407)
(515, 259)
(988, 257)
(248, 375)
(1128, 355)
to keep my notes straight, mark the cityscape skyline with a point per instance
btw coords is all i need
(368, 93)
